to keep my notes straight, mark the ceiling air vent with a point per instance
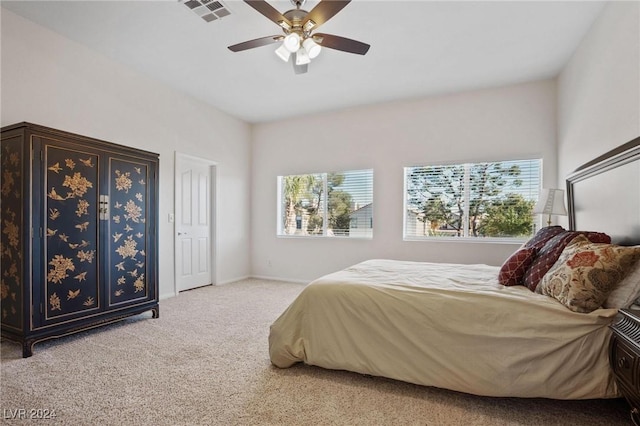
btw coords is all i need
(209, 10)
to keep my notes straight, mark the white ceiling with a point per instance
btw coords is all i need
(418, 48)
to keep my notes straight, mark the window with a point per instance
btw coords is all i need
(326, 204)
(478, 200)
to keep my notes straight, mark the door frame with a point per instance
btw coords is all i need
(213, 211)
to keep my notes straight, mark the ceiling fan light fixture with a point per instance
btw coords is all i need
(292, 42)
(302, 57)
(283, 52)
(312, 48)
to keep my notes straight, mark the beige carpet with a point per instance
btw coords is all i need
(205, 362)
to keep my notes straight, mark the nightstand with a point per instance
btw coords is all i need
(624, 357)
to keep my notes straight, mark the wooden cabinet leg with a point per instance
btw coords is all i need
(27, 348)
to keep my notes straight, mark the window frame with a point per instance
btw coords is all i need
(325, 208)
(466, 238)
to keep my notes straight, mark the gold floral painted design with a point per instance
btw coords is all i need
(87, 162)
(83, 226)
(10, 233)
(71, 250)
(60, 265)
(53, 194)
(8, 182)
(4, 290)
(78, 184)
(133, 211)
(128, 232)
(14, 159)
(123, 181)
(11, 230)
(138, 284)
(54, 214)
(86, 256)
(72, 294)
(55, 168)
(82, 244)
(129, 248)
(82, 208)
(13, 270)
(54, 301)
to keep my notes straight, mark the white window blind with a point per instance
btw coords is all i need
(326, 204)
(472, 200)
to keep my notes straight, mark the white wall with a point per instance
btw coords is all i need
(50, 80)
(496, 124)
(599, 89)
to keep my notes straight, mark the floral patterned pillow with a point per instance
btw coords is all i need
(586, 273)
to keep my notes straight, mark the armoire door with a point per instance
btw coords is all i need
(129, 205)
(68, 213)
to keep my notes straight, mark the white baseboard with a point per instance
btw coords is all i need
(246, 277)
(287, 280)
(232, 280)
(167, 296)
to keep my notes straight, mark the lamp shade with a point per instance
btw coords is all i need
(551, 201)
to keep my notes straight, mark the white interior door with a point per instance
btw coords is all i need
(193, 223)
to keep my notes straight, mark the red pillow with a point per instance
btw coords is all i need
(550, 252)
(544, 235)
(513, 269)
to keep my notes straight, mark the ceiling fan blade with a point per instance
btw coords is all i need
(269, 11)
(263, 41)
(324, 11)
(341, 43)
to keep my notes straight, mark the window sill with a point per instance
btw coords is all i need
(474, 240)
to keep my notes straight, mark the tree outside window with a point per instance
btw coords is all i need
(472, 200)
(326, 204)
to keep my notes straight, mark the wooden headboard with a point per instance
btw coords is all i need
(604, 194)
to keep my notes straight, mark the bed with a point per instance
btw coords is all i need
(460, 327)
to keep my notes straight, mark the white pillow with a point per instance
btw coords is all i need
(626, 292)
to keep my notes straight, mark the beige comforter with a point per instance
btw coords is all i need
(446, 325)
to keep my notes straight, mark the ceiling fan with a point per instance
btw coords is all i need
(298, 25)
